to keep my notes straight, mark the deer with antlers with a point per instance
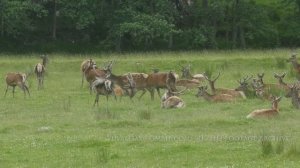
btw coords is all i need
(40, 70)
(246, 87)
(232, 92)
(202, 92)
(186, 74)
(16, 79)
(267, 113)
(171, 100)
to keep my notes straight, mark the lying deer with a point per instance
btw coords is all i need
(202, 92)
(266, 113)
(16, 79)
(246, 87)
(171, 100)
(186, 74)
(283, 85)
(232, 92)
(84, 66)
(40, 69)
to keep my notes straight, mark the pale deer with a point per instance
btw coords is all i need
(186, 74)
(84, 66)
(266, 113)
(232, 92)
(16, 79)
(294, 95)
(171, 100)
(40, 70)
(202, 92)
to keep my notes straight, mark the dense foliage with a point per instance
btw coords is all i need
(130, 25)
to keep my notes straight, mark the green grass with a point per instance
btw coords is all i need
(59, 127)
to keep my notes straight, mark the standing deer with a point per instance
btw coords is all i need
(171, 100)
(266, 113)
(232, 92)
(84, 66)
(294, 94)
(202, 92)
(40, 69)
(161, 80)
(92, 72)
(16, 79)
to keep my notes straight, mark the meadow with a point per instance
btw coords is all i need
(59, 127)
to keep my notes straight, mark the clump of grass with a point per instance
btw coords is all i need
(266, 146)
(279, 148)
(103, 155)
(67, 104)
(209, 70)
(293, 151)
(144, 114)
(280, 63)
(105, 114)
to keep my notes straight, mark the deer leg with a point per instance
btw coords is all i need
(96, 100)
(26, 88)
(158, 92)
(6, 90)
(82, 79)
(144, 91)
(13, 91)
(151, 93)
(90, 87)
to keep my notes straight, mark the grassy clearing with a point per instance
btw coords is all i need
(58, 127)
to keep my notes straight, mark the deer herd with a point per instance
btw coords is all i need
(104, 82)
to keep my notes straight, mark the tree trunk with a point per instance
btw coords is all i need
(204, 3)
(118, 43)
(234, 23)
(2, 26)
(170, 46)
(242, 37)
(54, 21)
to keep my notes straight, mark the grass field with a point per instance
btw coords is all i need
(58, 127)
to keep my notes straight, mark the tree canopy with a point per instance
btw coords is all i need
(139, 25)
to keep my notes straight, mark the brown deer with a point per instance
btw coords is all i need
(202, 92)
(106, 86)
(269, 89)
(92, 72)
(232, 92)
(188, 83)
(294, 94)
(16, 79)
(40, 70)
(171, 100)
(160, 81)
(247, 87)
(84, 66)
(266, 113)
(284, 86)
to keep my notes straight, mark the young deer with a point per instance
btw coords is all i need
(266, 113)
(202, 92)
(171, 100)
(294, 94)
(40, 69)
(16, 79)
(84, 66)
(232, 92)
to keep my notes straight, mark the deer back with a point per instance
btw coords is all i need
(173, 102)
(14, 79)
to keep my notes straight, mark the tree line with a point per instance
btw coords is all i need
(141, 25)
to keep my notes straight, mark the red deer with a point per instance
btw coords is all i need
(202, 92)
(232, 92)
(171, 100)
(266, 113)
(92, 72)
(106, 86)
(40, 69)
(16, 79)
(294, 94)
(140, 80)
(188, 83)
(283, 85)
(161, 80)
(84, 66)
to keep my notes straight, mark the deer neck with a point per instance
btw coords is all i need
(275, 106)
(295, 63)
(207, 96)
(212, 86)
